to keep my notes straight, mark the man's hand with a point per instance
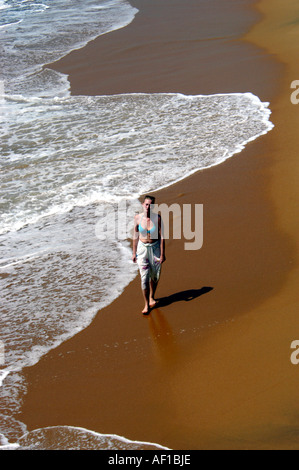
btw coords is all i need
(162, 259)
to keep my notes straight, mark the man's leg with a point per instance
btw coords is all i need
(146, 296)
(153, 288)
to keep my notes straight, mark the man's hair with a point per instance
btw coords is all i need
(149, 197)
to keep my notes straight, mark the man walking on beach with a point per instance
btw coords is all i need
(148, 250)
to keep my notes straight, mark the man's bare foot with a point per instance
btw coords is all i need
(146, 310)
(152, 303)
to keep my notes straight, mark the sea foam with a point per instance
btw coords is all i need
(75, 151)
(75, 438)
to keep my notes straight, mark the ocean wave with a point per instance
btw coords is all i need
(28, 23)
(76, 438)
(76, 151)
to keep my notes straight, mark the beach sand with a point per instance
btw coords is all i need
(210, 368)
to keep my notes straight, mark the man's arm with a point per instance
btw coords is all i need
(135, 239)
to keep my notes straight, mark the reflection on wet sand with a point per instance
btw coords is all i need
(163, 340)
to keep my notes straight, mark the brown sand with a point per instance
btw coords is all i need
(211, 368)
(166, 52)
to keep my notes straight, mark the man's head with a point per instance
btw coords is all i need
(147, 202)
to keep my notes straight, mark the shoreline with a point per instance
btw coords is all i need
(225, 298)
(128, 60)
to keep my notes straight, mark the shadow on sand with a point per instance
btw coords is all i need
(185, 296)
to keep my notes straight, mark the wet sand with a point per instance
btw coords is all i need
(210, 368)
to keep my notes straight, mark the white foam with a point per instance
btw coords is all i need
(3, 374)
(9, 446)
(5, 445)
(3, 5)
(9, 262)
(70, 437)
(119, 135)
(75, 25)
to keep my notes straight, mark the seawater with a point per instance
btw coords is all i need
(62, 158)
